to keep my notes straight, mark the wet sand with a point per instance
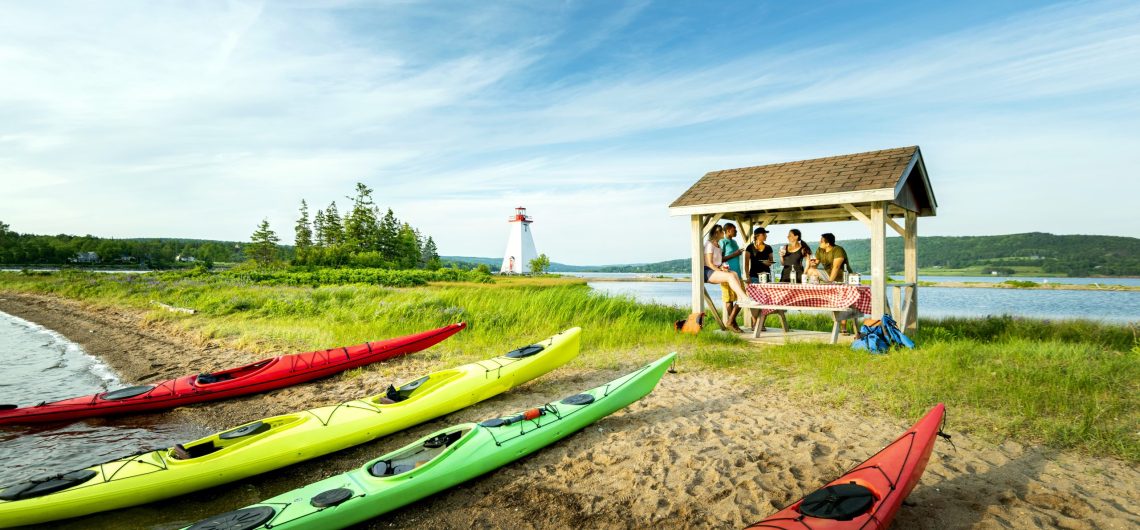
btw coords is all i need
(703, 450)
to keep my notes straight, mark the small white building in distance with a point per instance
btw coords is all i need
(520, 245)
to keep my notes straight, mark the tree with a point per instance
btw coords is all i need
(407, 248)
(334, 231)
(540, 264)
(319, 229)
(387, 236)
(263, 244)
(429, 257)
(303, 234)
(360, 224)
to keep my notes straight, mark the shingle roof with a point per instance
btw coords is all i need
(834, 174)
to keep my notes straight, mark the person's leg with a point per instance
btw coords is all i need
(732, 281)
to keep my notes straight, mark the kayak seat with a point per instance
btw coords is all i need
(397, 395)
(208, 378)
(525, 351)
(196, 451)
(128, 392)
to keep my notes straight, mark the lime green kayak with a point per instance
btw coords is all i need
(439, 461)
(278, 441)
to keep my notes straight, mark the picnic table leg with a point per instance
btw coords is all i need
(835, 318)
(757, 321)
(783, 319)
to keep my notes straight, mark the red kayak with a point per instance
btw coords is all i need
(267, 374)
(869, 496)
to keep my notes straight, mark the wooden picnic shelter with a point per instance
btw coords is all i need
(881, 189)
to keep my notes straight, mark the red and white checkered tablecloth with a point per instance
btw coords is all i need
(811, 295)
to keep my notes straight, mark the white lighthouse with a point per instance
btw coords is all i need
(520, 245)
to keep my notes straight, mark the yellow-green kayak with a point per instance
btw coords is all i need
(278, 441)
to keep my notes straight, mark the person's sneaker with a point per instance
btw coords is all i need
(749, 303)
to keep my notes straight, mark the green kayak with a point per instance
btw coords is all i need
(438, 461)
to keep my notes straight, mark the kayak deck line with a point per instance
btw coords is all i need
(260, 376)
(274, 442)
(438, 461)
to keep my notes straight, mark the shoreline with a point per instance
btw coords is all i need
(940, 284)
(712, 450)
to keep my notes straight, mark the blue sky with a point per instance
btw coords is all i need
(199, 119)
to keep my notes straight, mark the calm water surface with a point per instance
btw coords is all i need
(934, 302)
(42, 365)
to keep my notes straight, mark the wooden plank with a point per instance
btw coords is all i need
(857, 214)
(878, 260)
(712, 307)
(698, 267)
(895, 226)
(712, 221)
(896, 305)
(910, 269)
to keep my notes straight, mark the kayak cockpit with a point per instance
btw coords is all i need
(231, 438)
(414, 389)
(416, 456)
(208, 378)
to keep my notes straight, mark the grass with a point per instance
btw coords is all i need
(1070, 384)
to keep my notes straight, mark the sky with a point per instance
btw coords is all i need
(199, 119)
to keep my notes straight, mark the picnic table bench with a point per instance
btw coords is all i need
(843, 301)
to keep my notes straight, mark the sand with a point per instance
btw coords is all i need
(703, 450)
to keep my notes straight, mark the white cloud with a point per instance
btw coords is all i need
(196, 120)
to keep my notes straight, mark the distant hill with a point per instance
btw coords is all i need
(1071, 255)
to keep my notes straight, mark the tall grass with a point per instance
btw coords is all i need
(1071, 384)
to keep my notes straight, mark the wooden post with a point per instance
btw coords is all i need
(698, 264)
(746, 237)
(878, 259)
(910, 270)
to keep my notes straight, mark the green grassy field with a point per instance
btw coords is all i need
(1066, 384)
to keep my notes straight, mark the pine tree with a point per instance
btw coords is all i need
(430, 255)
(387, 237)
(334, 230)
(360, 225)
(407, 248)
(264, 244)
(319, 229)
(303, 234)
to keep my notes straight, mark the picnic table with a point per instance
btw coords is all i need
(843, 301)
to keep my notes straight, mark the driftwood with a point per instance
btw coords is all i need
(169, 307)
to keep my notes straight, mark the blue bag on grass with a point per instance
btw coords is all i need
(880, 337)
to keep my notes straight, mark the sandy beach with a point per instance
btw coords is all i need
(702, 451)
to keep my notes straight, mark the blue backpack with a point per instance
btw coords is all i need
(881, 337)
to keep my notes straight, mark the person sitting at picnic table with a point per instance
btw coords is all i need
(716, 271)
(792, 257)
(731, 252)
(758, 256)
(834, 260)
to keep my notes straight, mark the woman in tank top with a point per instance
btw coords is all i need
(792, 257)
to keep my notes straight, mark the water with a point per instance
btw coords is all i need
(42, 365)
(934, 302)
(1131, 282)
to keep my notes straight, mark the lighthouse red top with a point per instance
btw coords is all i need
(520, 215)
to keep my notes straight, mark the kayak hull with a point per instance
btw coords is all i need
(360, 495)
(889, 476)
(261, 376)
(278, 441)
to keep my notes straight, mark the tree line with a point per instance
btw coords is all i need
(363, 237)
(88, 250)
